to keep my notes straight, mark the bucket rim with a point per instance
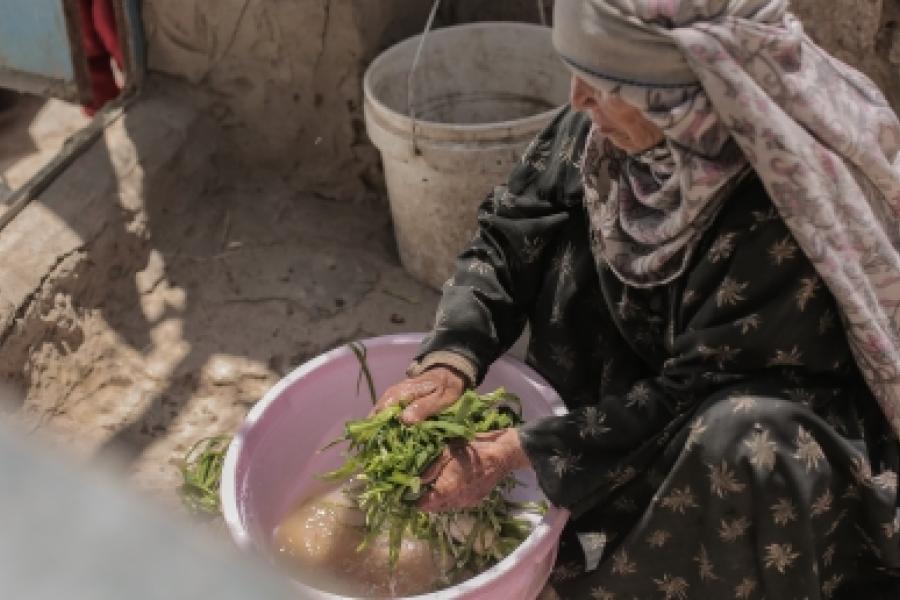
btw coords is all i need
(547, 528)
(533, 122)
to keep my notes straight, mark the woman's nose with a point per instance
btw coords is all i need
(581, 95)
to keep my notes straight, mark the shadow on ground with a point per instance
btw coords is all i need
(182, 286)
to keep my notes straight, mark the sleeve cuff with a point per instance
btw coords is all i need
(445, 358)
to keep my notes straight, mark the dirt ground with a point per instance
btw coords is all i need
(31, 132)
(172, 321)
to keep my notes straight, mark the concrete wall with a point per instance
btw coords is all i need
(283, 76)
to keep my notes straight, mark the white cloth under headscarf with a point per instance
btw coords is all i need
(718, 75)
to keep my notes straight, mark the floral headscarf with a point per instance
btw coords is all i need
(725, 75)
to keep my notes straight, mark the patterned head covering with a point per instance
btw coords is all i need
(736, 84)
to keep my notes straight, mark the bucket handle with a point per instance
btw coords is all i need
(410, 95)
(410, 92)
(542, 11)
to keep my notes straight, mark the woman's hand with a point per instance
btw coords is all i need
(424, 395)
(467, 471)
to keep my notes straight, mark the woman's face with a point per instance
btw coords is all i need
(622, 123)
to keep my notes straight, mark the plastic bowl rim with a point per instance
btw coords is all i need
(549, 525)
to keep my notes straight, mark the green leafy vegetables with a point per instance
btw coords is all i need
(382, 472)
(201, 472)
(361, 353)
(384, 462)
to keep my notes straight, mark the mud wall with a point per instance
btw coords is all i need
(282, 77)
(863, 33)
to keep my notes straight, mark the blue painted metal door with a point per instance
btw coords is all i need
(40, 46)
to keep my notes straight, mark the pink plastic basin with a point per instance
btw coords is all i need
(273, 461)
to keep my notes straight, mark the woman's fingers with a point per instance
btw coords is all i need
(466, 472)
(423, 407)
(442, 497)
(489, 436)
(435, 468)
(405, 392)
(457, 480)
(449, 387)
(424, 395)
(420, 387)
(438, 500)
(433, 501)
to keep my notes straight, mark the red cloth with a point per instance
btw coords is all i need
(100, 41)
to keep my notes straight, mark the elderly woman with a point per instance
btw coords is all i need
(705, 247)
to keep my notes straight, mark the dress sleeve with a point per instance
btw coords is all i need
(750, 317)
(484, 305)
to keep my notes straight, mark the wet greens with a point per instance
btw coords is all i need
(201, 472)
(386, 458)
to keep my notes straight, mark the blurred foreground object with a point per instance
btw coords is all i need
(73, 533)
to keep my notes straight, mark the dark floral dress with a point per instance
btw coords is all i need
(720, 442)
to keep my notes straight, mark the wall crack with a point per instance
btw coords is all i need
(323, 36)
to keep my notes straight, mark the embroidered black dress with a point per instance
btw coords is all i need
(721, 442)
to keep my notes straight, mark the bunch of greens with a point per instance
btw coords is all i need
(384, 462)
(201, 472)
